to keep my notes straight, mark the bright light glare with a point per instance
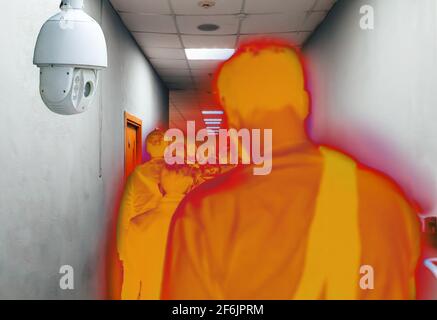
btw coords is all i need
(209, 54)
(212, 112)
(213, 120)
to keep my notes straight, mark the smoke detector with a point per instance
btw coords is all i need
(206, 4)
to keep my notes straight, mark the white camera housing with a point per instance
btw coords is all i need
(70, 52)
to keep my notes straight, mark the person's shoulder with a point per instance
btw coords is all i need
(372, 184)
(377, 186)
(137, 172)
(143, 172)
(145, 168)
(388, 214)
(380, 196)
(386, 208)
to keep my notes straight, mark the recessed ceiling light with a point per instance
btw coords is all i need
(209, 27)
(209, 54)
(218, 120)
(209, 112)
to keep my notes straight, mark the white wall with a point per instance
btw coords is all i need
(54, 206)
(374, 91)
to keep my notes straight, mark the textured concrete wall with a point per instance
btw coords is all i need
(374, 91)
(54, 205)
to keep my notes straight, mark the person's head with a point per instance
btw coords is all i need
(262, 76)
(155, 144)
(176, 179)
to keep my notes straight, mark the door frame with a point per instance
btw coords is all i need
(130, 119)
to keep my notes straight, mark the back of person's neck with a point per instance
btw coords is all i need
(287, 128)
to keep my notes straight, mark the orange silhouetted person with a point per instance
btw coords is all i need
(306, 230)
(141, 194)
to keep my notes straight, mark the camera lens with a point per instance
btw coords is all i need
(88, 89)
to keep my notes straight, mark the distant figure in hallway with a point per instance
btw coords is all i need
(142, 193)
(147, 237)
(305, 230)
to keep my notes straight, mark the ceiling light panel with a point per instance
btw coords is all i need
(212, 112)
(204, 41)
(209, 54)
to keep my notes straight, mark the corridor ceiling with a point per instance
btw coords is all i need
(164, 28)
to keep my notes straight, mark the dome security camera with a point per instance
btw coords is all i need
(70, 52)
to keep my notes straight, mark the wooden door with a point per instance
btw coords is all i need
(131, 149)
(133, 143)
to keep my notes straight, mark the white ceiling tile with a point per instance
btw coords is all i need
(208, 41)
(202, 75)
(204, 64)
(188, 24)
(149, 23)
(278, 6)
(292, 37)
(164, 53)
(142, 6)
(202, 72)
(175, 78)
(303, 36)
(205, 84)
(179, 72)
(157, 40)
(180, 85)
(181, 81)
(189, 94)
(169, 63)
(313, 20)
(272, 23)
(324, 4)
(191, 7)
